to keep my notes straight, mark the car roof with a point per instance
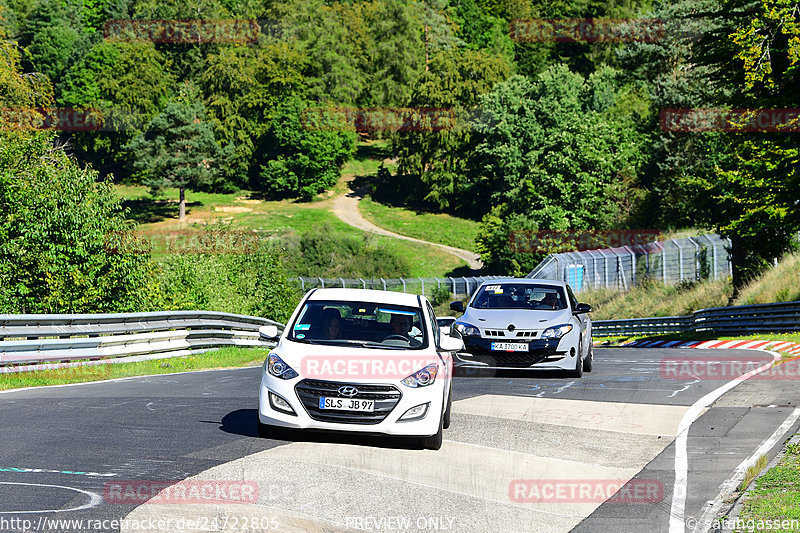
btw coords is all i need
(531, 281)
(366, 295)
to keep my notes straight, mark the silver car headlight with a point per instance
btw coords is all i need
(422, 378)
(556, 332)
(279, 369)
(467, 329)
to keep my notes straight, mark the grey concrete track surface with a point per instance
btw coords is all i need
(346, 208)
(509, 429)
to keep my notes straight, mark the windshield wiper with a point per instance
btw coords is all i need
(351, 342)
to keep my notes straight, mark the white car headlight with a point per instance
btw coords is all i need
(556, 332)
(423, 378)
(279, 369)
(467, 329)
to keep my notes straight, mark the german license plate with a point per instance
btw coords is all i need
(347, 404)
(510, 346)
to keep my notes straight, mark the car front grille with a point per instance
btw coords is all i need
(310, 391)
(509, 360)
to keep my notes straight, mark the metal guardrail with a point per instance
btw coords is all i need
(464, 286)
(760, 318)
(62, 338)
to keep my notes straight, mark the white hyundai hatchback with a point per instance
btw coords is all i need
(360, 361)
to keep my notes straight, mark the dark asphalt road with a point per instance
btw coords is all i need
(61, 439)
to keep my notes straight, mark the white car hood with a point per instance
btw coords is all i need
(298, 356)
(521, 318)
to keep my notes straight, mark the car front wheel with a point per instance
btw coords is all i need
(578, 371)
(434, 442)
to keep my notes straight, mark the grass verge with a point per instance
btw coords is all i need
(753, 471)
(776, 495)
(230, 357)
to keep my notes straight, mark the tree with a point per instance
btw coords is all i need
(178, 149)
(307, 149)
(437, 154)
(55, 37)
(560, 153)
(242, 88)
(754, 60)
(64, 244)
(129, 82)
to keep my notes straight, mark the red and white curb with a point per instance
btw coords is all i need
(747, 344)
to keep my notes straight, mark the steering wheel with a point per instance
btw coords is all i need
(397, 336)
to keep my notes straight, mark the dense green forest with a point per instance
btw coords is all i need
(538, 133)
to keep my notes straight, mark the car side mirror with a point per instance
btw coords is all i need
(451, 344)
(457, 306)
(268, 332)
(583, 308)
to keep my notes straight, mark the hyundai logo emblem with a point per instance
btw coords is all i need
(348, 391)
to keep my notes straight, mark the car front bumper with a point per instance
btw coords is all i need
(542, 353)
(389, 405)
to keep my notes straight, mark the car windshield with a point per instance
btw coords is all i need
(361, 324)
(520, 296)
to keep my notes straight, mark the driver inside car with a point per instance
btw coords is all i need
(402, 325)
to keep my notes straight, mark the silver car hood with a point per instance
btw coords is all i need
(521, 318)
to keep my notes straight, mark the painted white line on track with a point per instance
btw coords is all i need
(676, 515)
(94, 498)
(684, 388)
(729, 486)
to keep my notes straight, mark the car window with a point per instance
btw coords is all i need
(364, 324)
(572, 298)
(435, 325)
(520, 296)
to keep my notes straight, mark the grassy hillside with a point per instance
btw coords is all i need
(433, 227)
(778, 284)
(242, 211)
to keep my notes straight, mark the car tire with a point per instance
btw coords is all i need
(434, 442)
(578, 371)
(588, 363)
(446, 421)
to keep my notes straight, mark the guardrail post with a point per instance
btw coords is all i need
(302, 284)
(466, 286)
(384, 283)
(404, 284)
(364, 283)
(663, 261)
(455, 293)
(322, 282)
(422, 284)
(438, 283)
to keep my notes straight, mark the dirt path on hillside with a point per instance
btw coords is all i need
(346, 208)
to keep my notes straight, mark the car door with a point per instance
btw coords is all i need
(583, 322)
(445, 356)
